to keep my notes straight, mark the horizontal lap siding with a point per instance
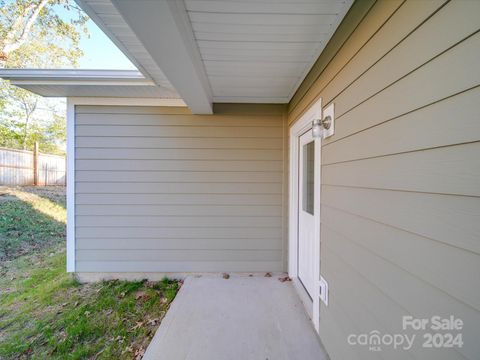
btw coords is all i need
(400, 190)
(159, 189)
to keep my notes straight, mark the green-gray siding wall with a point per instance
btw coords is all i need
(161, 190)
(400, 215)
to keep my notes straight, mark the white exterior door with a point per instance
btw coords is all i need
(306, 212)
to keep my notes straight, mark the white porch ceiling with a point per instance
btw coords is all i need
(260, 51)
(221, 50)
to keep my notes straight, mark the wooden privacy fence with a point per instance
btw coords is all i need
(22, 167)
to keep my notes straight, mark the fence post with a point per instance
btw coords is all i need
(35, 163)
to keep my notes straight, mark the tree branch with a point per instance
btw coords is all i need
(17, 23)
(14, 45)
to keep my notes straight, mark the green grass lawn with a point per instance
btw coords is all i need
(44, 312)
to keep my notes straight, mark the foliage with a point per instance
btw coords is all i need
(46, 314)
(49, 130)
(34, 34)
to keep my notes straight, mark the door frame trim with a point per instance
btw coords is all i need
(303, 124)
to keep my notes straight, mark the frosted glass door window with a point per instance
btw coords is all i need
(308, 177)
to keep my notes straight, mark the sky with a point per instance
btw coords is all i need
(99, 51)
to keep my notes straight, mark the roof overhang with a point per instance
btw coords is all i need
(222, 51)
(82, 83)
(202, 51)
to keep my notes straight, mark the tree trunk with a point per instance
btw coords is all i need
(25, 132)
(28, 113)
(20, 29)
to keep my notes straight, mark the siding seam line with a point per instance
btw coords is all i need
(398, 267)
(388, 52)
(399, 229)
(418, 150)
(407, 74)
(404, 114)
(400, 190)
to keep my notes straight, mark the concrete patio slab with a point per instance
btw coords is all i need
(237, 318)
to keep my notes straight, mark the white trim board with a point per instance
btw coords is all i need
(112, 101)
(299, 128)
(70, 185)
(71, 74)
(75, 77)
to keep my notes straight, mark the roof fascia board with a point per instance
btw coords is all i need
(165, 32)
(115, 101)
(80, 82)
(75, 77)
(80, 73)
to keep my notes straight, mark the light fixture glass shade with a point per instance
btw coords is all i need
(317, 128)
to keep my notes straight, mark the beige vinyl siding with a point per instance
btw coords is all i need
(162, 190)
(400, 194)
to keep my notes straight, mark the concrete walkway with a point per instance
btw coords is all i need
(244, 318)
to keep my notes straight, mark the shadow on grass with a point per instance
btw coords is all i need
(29, 223)
(55, 194)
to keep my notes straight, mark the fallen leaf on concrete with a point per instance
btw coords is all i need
(285, 278)
(268, 274)
(226, 276)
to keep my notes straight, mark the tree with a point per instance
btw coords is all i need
(33, 34)
(29, 118)
(19, 114)
(17, 33)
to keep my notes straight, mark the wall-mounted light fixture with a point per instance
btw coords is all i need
(324, 127)
(317, 128)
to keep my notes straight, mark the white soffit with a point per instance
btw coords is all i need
(222, 50)
(260, 51)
